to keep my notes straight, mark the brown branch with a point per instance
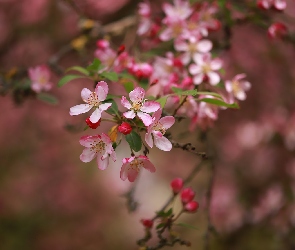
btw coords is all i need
(189, 147)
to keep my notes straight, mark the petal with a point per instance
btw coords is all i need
(166, 34)
(137, 94)
(85, 94)
(149, 139)
(241, 95)
(80, 109)
(96, 115)
(87, 155)
(198, 79)
(180, 45)
(101, 94)
(204, 46)
(228, 86)
(157, 115)
(125, 103)
(280, 4)
(129, 114)
(216, 64)
(149, 166)
(167, 121)
(104, 106)
(150, 106)
(102, 163)
(195, 69)
(245, 85)
(103, 85)
(132, 174)
(123, 172)
(214, 78)
(89, 140)
(146, 118)
(162, 143)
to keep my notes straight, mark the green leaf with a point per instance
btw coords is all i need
(179, 91)
(48, 98)
(219, 103)
(69, 78)
(160, 225)
(165, 214)
(113, 110)
(162, 101)
(79, 69)
(112, 76)
(95, 65)
(125, 75)
(210, 93)
(128, 86)
(134, 141)
(186, 225)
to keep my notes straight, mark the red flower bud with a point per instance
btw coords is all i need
(147, 223)
(121, 49)
(187, 195)
(125, 128)
(176, 185)
(277, 30)
(91, 124)
(192, 206)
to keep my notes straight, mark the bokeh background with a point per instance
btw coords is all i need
(51, 200)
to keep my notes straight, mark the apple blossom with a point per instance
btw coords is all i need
(99, 146)
(204, 68)
(40, 78)
(192, 47)
(131, 167)
(238, 86)
(139, 106)
(157, 129)
(93, 100)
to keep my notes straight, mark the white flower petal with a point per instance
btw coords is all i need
(80, 109)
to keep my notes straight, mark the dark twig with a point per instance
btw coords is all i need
(190, 148)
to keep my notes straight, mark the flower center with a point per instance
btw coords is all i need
(206, 68)
(98, 147)
(236, 87)
(42, 80)
(159, 127)
(93, 100)
(136, 105)
(136, 164)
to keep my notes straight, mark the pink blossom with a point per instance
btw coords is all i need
(141, 70)
(238, 86)
(174, 29)
(139, 106)
(157, 129)
(187, 195)
(40, 76)
(104, 53)
(204, 68)
(192, 47)
(145, 22)
(99, 146)
(131, 167)
(93, 100)
(192, 206)
(181, 10)
(276, 4)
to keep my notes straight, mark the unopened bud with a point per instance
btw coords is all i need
(176, 185)
(147, 223)
(125, 128)
(91, 124)
(191, 206)
(187, 195)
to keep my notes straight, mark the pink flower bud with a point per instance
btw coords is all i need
(125, 128)
(192, 206)
(147, 223)
(187, 195)
(277, 30)
(176, 185)
(91, 124)
(102, 44)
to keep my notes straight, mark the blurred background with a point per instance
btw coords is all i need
(49, 199)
